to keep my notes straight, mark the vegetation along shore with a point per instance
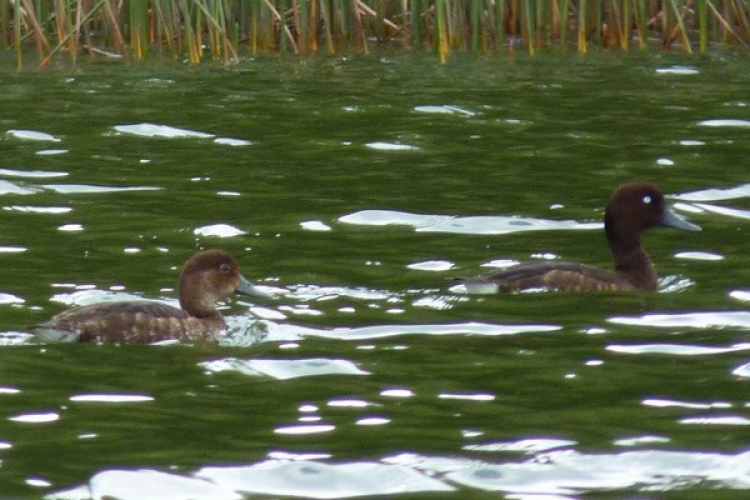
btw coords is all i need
(227, 30)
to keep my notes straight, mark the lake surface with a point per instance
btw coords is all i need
(354, 190)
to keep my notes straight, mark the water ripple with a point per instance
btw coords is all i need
(285, 332)
(162, 131)
(554, 472)
(31, 174)
(715, 194)
(717, 319)
(677, 349)
(282, 369)
(86, 189)
(462, 225)
(32, 135)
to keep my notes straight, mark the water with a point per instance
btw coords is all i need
(354, 190)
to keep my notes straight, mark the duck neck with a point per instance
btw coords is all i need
(632, 263)
(201, 306)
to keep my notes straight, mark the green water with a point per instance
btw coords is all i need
(404, 385)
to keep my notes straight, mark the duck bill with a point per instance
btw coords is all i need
(671, 219)
(247, 288)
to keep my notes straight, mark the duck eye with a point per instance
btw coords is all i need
(224, 268)
(647, 200)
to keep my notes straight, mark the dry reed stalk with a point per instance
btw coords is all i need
(223, 29)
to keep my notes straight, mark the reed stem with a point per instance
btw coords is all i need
(226, 30)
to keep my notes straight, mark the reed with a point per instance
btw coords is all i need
(227, 30)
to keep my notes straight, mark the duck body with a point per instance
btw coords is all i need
(632, 209)
(141, 321)
(544, 275)
(207, 277)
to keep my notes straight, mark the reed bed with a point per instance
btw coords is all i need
(227, 30)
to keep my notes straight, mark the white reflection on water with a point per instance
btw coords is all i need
(742, 371)
(728, 212)
(570, 472)
(92, 296)
(7, 298)
(391, 146)
(39, 210)
(314, 225)
(323, 480)
(669, 403)
(151, 484)
(150, 130)
(35, 418)
(698, 256)
(304, 429)
(315, 292)
(52, 152)
(468, 397)
(7, 187)
(31, 174)
(373, 421)
(282, 369)
(725, 123)
(677, 70)
(111, 398)
(716, 420)
(715, 194)
(228, 141)
(526, 446)
(219, 231)
(677, 349)
(546, 472)
(286, 332)
(432, 265)
(461, 225)
(32, 135)
(86, 189)
(709, 319)
(445, 109)
(162, 131)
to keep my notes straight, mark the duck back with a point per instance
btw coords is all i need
(560, 276)
(139, 321)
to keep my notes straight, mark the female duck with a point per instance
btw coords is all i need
(632, 209)
(207, 277)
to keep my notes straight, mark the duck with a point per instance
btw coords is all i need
(207, 277)
(632, 208)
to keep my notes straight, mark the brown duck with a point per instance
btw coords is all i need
(207, 277)
(632, 209)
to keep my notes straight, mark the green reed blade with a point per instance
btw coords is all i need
(325, 15)
(680, 24)
(138, 31)
(564, 18)
(582, 7)
(530, 21)
(500, 7)
(475, 23)
(702, 25)
(17, 35)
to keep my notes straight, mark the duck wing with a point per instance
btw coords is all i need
(128, 322)
(560, 276)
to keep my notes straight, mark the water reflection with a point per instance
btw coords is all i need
(283, 369)
(709, 319)
(462, 225)
(715, 194)
(549, 472)
(388, 383)
(280, 332)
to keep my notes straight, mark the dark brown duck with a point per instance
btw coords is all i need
(632, 209)
(207, 277)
